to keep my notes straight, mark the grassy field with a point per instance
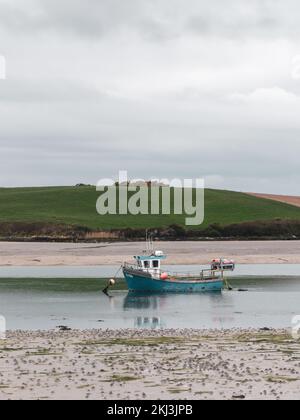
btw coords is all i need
(77, 206)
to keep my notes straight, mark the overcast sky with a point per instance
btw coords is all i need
(161, 88)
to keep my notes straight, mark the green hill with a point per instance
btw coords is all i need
(77, 206)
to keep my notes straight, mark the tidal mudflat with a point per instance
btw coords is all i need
(179, 253)
(141, 364)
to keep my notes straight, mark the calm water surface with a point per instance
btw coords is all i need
(270, 300)
(109, 271)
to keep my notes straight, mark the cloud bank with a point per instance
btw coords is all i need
(159, 88)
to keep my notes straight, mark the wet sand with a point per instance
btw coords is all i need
(140, 364)
(59, 254)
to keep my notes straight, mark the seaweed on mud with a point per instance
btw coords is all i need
(148, 341)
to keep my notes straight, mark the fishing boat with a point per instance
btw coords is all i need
(146, 275)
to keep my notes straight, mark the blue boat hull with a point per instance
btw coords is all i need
(147, 284)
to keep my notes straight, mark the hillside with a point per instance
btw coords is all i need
(76, 206)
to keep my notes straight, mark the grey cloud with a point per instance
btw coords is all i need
(240, 19)
(91, 17)
(48, 91)
(153, 19)
(239, 28)
(157, 87)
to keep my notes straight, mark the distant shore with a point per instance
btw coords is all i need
(179, 253)
(158, 364)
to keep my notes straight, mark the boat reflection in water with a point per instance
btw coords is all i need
(136, 300)
(148, 322)
(163, 310)
(139, 301)
(159, 301)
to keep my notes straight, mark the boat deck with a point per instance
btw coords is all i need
(204, 275)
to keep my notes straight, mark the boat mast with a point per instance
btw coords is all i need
(149, 243)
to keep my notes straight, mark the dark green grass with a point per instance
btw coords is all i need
(58, 285)
(77, 206)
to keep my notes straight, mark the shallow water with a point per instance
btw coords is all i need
(268, 302)
(110, 270)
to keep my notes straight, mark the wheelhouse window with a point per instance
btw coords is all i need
(155, 264)
(147, 264)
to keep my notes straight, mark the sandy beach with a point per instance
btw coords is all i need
(140, 364)
(70, 254)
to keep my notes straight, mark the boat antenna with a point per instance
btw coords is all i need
(147, 244)
(151, 243)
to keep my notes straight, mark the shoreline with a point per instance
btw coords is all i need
(142, 364)
(115, 253)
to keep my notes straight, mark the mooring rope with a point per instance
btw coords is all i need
(112, 281)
